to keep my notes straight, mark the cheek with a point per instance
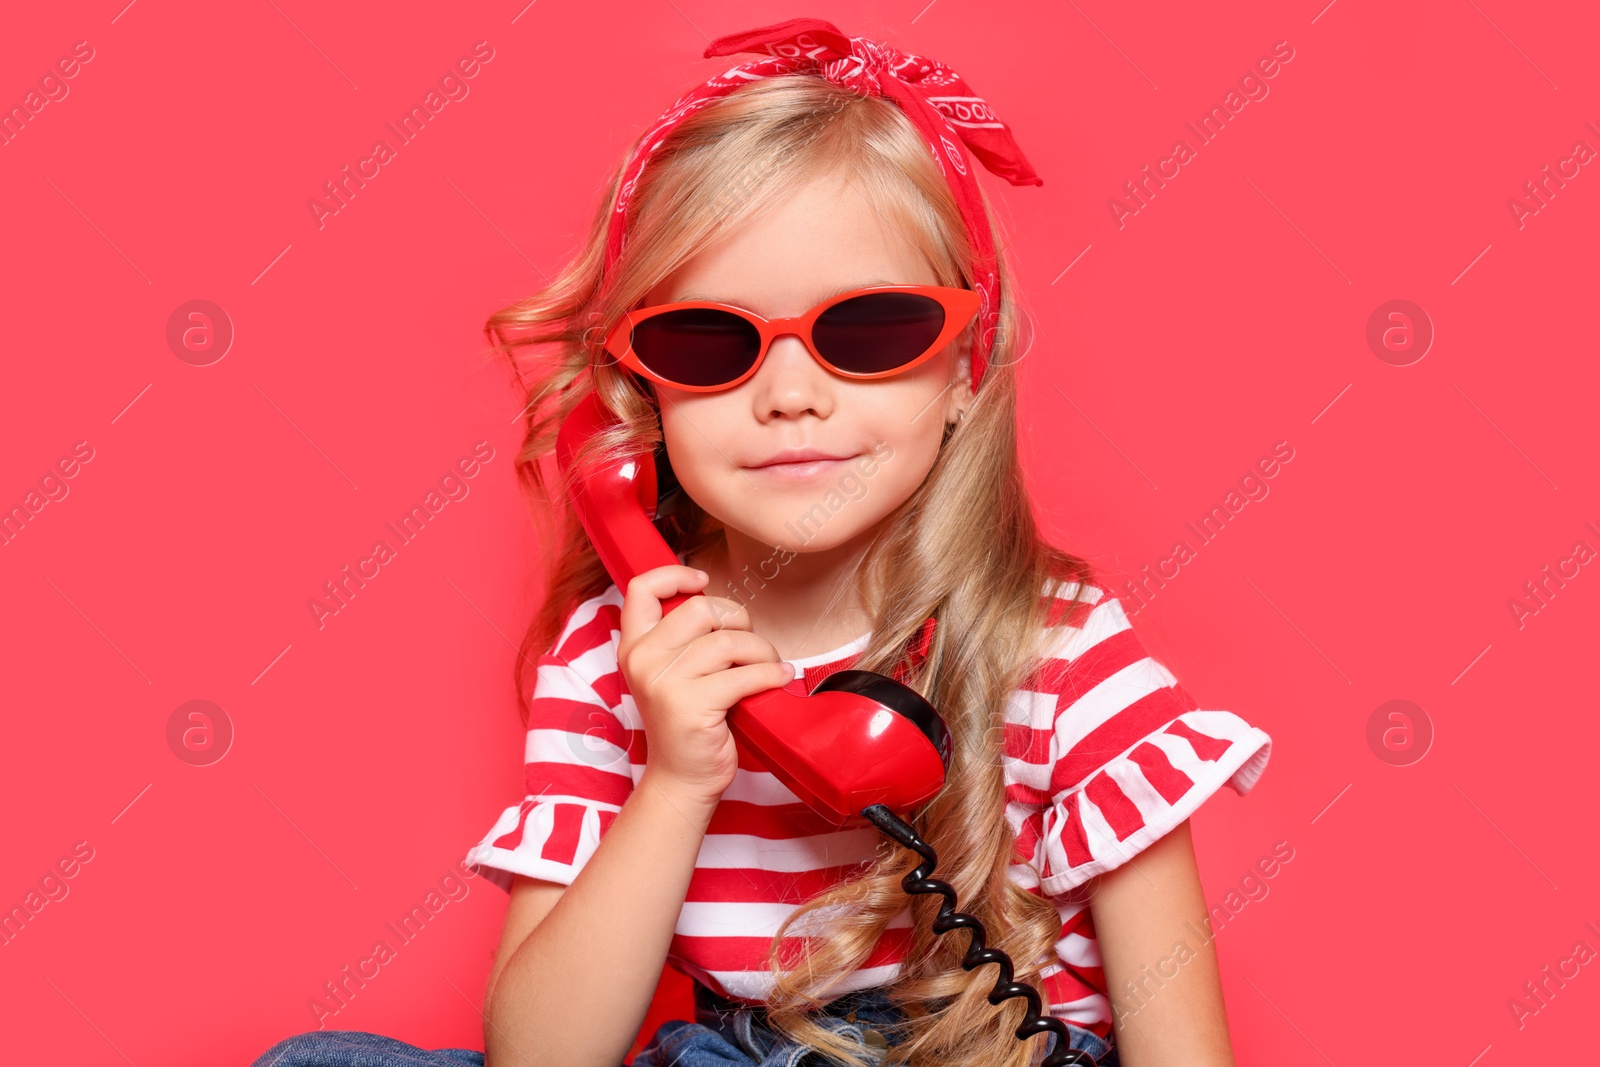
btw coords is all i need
(699, 447)
(913, 423)
(696, 477)
(913, 455)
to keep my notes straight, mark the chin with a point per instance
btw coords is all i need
(789, 528)
(818, 530)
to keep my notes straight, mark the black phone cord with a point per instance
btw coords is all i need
(920, 881)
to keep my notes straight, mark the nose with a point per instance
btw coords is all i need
(790, 382)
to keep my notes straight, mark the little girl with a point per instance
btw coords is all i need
(847, 494)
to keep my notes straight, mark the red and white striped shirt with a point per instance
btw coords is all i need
(1105, 753)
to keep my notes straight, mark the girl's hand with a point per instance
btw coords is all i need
(685, 671)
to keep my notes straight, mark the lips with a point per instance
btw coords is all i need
(798, 456)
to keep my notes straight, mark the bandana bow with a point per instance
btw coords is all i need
(951, 118)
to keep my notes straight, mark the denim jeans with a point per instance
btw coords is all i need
(724, 1034)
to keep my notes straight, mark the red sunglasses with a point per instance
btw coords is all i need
(874, 332)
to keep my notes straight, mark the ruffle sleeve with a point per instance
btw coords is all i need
(1132, 754)
(577, 774)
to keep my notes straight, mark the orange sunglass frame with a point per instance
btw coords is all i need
(960, 305)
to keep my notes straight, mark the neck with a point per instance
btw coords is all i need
(805, 603)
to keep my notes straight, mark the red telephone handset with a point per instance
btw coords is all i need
(857, 740)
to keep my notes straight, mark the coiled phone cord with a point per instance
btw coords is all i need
(920, 882)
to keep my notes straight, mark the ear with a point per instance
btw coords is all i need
(959, 396)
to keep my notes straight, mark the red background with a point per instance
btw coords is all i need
(1228, 314)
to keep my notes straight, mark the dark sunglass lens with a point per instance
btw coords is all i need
(697, 346)
(878, 331)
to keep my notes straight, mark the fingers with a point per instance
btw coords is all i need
(700, 615)
(721, 649)
(703, 656)
(686, 667)
(726, 688)
(641, 601)
(704, 637)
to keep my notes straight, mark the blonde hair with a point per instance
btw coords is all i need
(963, 548)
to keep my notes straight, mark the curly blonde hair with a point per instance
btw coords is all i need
(989, 583)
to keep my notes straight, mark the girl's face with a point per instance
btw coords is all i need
(823, 240)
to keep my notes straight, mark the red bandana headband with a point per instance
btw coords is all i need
(939, 103)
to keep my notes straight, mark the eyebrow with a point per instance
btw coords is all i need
(825, 296)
